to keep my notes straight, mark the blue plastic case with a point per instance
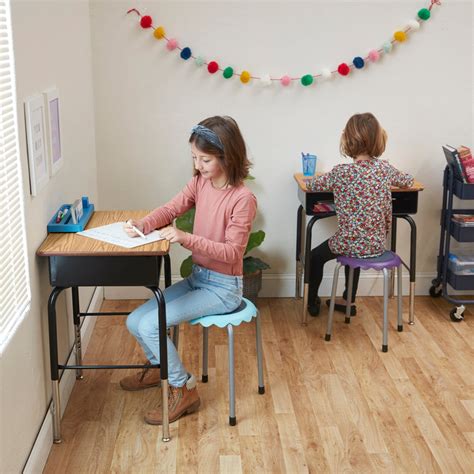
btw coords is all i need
(66, 224)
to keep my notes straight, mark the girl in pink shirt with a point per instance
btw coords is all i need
(225, 210)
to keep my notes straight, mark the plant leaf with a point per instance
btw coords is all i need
(186, 267)
(252, 264)
(185, 222)
(255, 239)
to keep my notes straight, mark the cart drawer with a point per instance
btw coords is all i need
(462, 233)
(460, 282)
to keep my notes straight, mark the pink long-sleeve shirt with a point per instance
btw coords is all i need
(222, 223)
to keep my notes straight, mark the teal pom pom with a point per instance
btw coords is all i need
(424, 14)
(358, 62)
(199, 61)
(307, 80)
(387, 47)
(228, 72)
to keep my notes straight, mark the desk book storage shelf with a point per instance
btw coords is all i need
(452, 186)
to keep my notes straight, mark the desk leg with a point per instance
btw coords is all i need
(411, 317)
(53, 359)
(307, 264)
(300, 229)
(393, 248)
(77, 330)
(167, 261)
(163, 335)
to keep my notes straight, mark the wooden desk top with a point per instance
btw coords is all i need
(71, 244)
(301, 180)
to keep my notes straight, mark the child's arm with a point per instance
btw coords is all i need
(323, 182)
(164, 215)
(400, 179)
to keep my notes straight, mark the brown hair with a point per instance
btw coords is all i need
(363, 135)
(233, 158)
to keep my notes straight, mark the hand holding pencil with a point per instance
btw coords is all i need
(134, 228)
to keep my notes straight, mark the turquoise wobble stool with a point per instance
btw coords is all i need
(244, 313)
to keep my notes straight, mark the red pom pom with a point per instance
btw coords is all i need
(213, 67)
(343, 69)
(146, 21)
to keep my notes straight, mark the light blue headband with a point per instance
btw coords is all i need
(208, 135)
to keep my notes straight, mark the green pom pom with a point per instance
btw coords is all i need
(424, 14)
(307, 80)
(228, 72)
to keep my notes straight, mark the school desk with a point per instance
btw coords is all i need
(404, 203)
(76, 261)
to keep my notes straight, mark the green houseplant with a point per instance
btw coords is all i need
(252, 266)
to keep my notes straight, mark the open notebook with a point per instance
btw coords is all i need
(115, 234)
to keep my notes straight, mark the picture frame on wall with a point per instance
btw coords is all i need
(36, 143)
(53, 130)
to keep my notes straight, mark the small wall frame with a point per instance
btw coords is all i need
(53, 130)
(36, 143)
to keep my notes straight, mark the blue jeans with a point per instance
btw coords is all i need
(203, 293)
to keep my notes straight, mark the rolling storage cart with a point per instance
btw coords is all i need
(457, 271)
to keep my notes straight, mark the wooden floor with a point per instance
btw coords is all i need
(328, 407)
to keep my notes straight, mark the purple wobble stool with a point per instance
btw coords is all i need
(383, 263)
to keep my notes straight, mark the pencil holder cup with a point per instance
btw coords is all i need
(309, 164)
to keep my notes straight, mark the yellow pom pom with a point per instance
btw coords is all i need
(400, 36)
(159, 33)
(245, 77)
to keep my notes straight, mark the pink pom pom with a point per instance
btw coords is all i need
(374, 55)
(285, 80)
(172, 44)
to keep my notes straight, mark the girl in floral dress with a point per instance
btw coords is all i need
(363, 203)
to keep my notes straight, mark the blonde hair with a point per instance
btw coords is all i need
(363, 135)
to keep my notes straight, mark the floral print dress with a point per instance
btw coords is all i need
(363, 204)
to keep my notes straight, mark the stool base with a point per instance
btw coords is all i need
(399, 328)
(232, 420)
(327, 337)
(261, 390)
(385, 348)
(204, 379)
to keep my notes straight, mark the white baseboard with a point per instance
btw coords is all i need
(42, 446)
(283, 286)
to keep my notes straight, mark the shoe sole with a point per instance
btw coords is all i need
(191, 409)
(341, 308)
(133, 389)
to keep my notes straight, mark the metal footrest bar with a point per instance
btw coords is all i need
(108, 366)
(104, 314)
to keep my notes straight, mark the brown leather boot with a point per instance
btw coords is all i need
(181, 401)
(145, 378)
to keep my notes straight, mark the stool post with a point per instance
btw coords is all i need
(77, 330)
(400, 300)
(385, 310)
(333, 301)
(261, 386)
(232, 418)
(205, 334)
(349, 295)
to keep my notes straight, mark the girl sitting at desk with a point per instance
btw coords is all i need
(225, 209)
(363, 203)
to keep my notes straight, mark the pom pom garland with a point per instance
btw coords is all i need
(146, 21)
(228, 72)
(374, 55)
(358, 62)
(400, 36)
(245, 77)
(343, 69)
(172, 44)
(186, 53)
(159, 33)
(213, 67)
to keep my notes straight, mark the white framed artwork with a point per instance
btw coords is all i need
(53, 130)
(36, 143)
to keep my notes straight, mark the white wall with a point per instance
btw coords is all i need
(52, 47)
(147, 100)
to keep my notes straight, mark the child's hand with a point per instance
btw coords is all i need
(128, 227)
(173, 234)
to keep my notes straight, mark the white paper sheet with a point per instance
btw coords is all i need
(115, 234)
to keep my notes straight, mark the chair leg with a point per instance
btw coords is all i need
(205, 333)
(261, 387)
(333, 301)
(176, 336)
(232, 417)
(400, 300)
(349, 295)
(385, 310)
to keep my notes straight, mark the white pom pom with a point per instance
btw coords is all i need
(414, 25)
(266, 80)
(326, 73)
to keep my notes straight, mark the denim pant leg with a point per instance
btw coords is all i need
(133, 319)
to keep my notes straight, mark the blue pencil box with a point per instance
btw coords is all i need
(66, 224)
